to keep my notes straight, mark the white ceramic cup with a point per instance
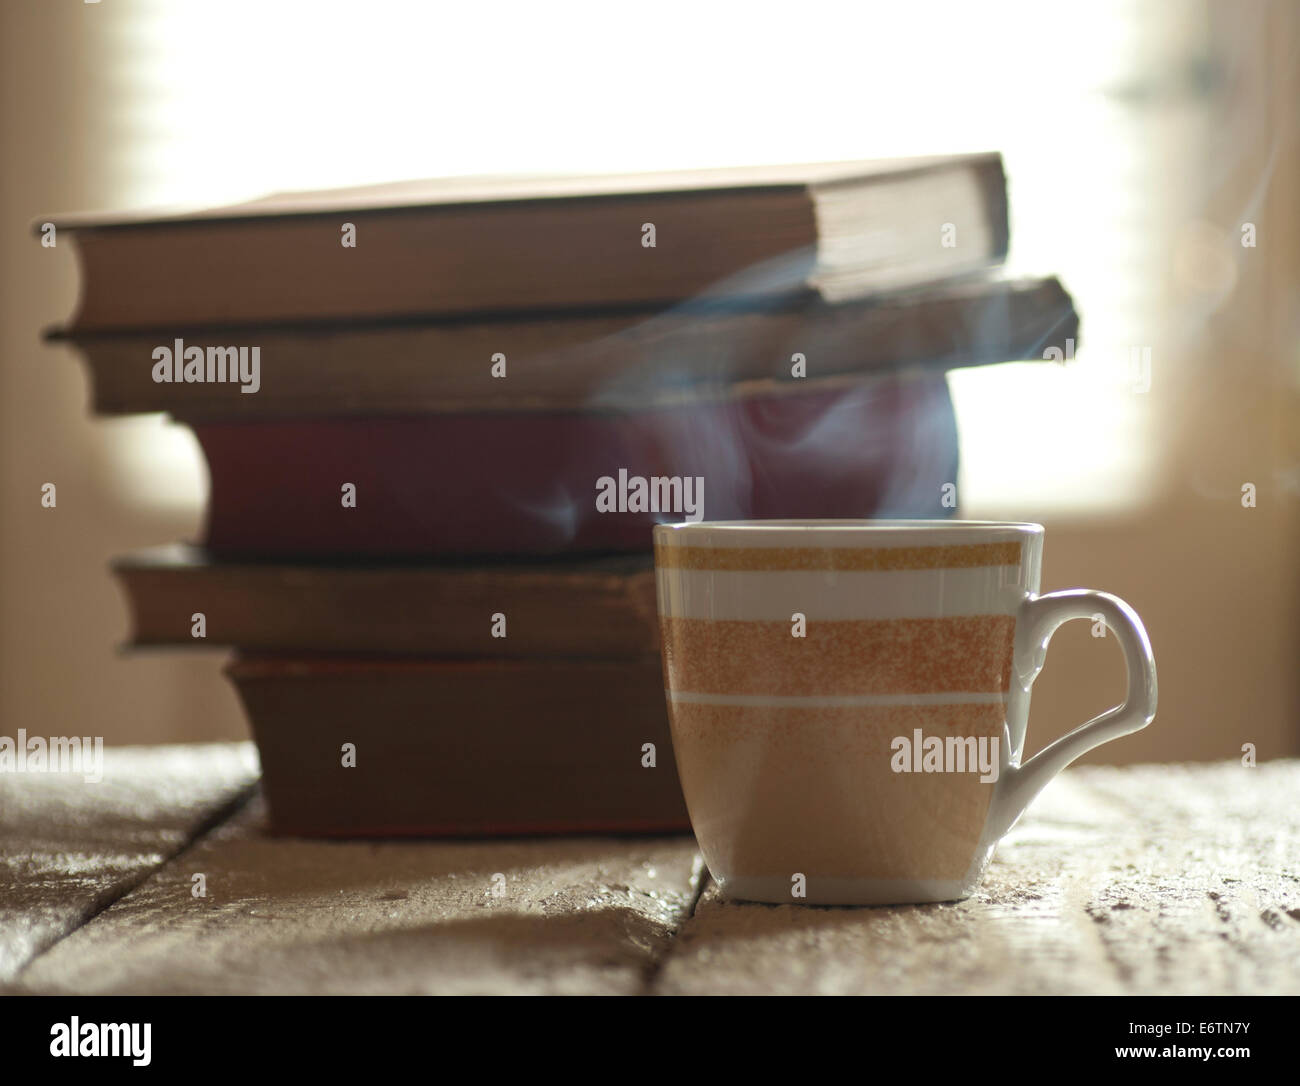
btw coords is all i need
(848, 699)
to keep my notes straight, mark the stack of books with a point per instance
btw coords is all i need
(441, 420)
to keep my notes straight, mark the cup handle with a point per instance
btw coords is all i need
(1039, 618)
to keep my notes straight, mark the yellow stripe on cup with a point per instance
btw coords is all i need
(966, 654)
(958, 556)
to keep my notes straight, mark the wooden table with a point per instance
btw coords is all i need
(1149, 880)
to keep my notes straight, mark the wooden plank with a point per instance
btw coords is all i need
(575, 915)
(1149, 880)
(69, 846)
(1155, 880)
(1207, 900)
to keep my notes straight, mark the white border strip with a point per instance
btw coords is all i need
(769, 596)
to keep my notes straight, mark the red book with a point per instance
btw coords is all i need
(532, 483)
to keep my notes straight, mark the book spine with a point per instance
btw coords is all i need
(401, 611)
(441, 748)
(553, 483)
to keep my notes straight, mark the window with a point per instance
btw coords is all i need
(1094, 105)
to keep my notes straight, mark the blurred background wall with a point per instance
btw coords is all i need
(1139, 138)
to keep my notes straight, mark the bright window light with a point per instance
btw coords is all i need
(220, 104)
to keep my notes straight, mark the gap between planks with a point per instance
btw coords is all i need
(217, 818)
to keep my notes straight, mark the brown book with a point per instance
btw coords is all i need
(599, 608)
(462, 747)
(592, 361)
(464, 245)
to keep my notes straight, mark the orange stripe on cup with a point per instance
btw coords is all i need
(960, 556)
(967, 654)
